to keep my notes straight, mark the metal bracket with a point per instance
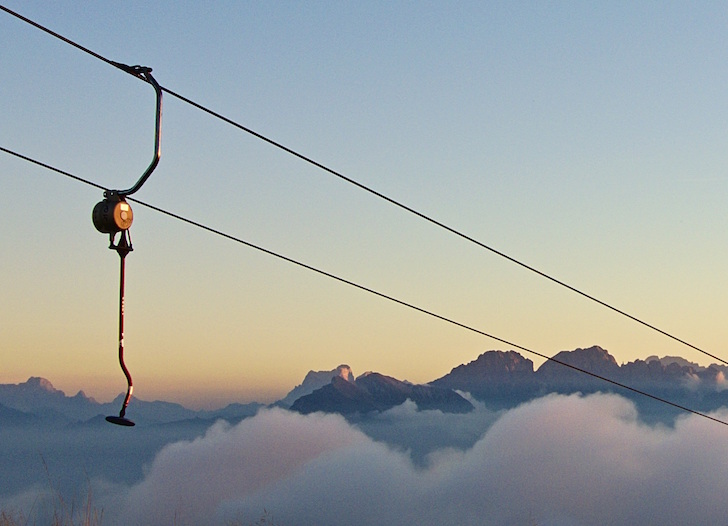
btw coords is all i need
(144, 73)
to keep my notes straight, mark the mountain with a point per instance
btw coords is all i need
(377, 392)
(10, 417)
(232, 412)
(500, 379)
(667, 360)
(559, 378)
(36, 401)
(505, 379)
(39, 397)
(494, 375)
(315, 380)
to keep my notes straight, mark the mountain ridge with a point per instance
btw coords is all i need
(500, 379)
(375, 392)
(701, 388)
(37, 398)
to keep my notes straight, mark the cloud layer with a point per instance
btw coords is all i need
(566, 460)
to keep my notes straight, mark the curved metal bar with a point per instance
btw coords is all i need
(145, 73)
(123, 250)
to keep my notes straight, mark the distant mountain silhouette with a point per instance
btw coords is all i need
(10, 417)
(36, 401)
(315, 380)
(505, 379)
(555, 377)
(667, 360)
(500, 379)
(377, 392)
(37, 396)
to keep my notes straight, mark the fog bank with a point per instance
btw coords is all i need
(557, 460)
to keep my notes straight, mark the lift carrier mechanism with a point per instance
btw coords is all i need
(114, 216)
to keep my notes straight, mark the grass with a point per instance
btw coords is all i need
(265, 520)
(63, 514)
(90, 516)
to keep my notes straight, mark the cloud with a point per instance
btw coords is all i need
(559, 460)
(422, 432)
(192, 478)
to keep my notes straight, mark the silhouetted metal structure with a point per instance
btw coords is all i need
(114, 216)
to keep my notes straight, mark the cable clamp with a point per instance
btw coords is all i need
(137, 71)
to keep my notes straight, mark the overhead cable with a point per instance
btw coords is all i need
(374, 192)
(370, 290)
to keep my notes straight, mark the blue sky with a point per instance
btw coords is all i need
(586, 140)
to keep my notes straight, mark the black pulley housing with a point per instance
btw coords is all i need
(112, 215)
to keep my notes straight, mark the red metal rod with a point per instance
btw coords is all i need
(123, 248)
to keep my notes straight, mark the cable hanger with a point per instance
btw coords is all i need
(114, 216)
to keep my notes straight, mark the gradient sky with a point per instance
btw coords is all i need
(585, 139)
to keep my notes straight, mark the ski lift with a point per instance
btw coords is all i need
(114, 216)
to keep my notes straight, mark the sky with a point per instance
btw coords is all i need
(585, 140)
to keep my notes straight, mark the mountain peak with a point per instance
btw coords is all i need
(82, 396)
(39, 396)
(682, 362)
(495, 375)
(315, 380)
(491, 366)
(592, 359)
(40, 383)
(345, 372)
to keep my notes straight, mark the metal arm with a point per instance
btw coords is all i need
(144, 73)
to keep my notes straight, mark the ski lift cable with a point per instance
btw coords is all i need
(370, 290)
(378, 194)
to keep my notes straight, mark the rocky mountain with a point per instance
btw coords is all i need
(594, 359)
(505, 379)
(37, 396)
(556, 377)
(315, 380)
(493, 376)
(377, 392)
(667, 360)
(501, 379)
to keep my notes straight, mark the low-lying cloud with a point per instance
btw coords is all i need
(566, 460)
(406, 428)
(193, 478)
